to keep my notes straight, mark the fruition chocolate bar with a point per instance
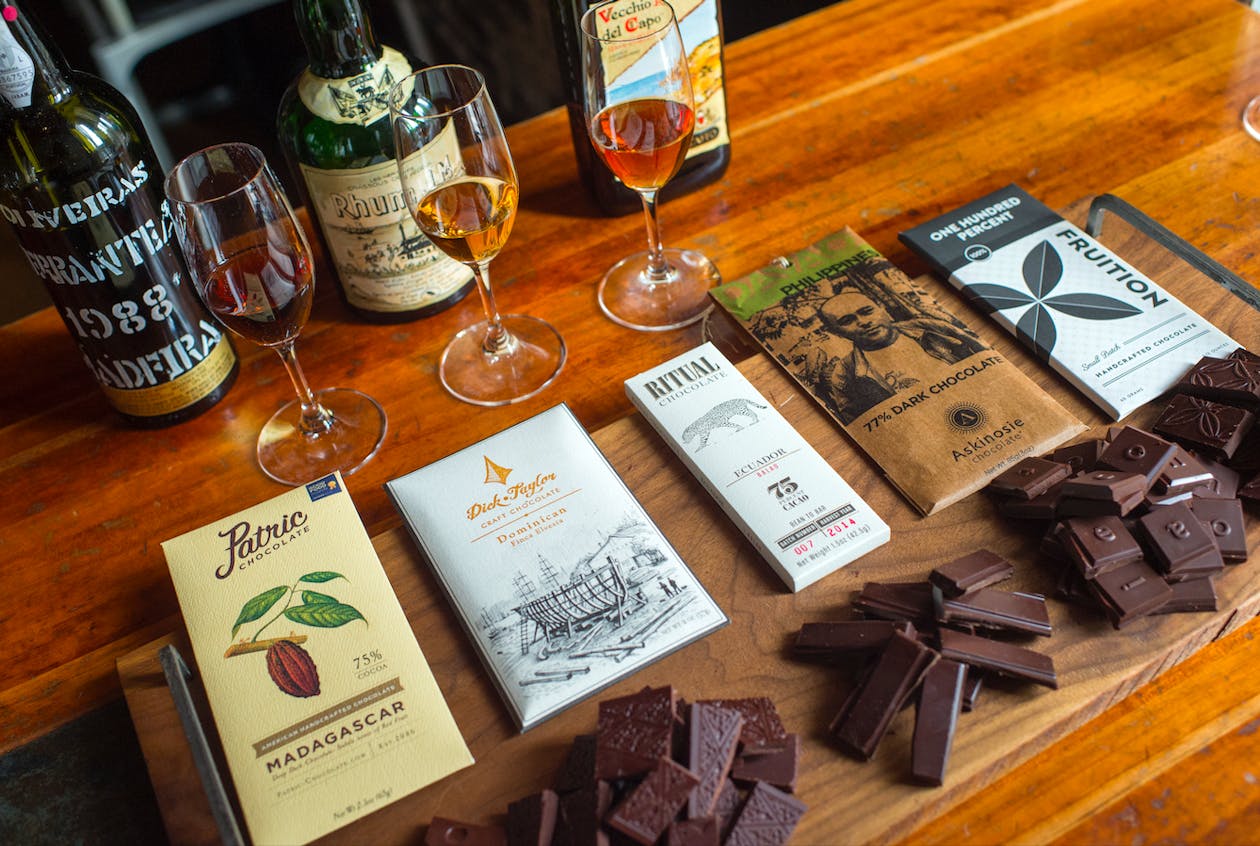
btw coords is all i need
(796, 510)
(1108, 329)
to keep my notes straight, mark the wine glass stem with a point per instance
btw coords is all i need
(498, 340)
(657, 269)
(316, 420)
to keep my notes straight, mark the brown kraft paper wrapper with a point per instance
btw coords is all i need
(933, 404)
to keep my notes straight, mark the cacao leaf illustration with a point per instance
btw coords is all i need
(1036, 328)
(990, 298)
(321, 576)
(258, 606)
(327, 615)
(1042, 269)
(1092, 306)
(310, 597)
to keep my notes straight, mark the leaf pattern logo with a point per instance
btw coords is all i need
(1200, 413)
(1043, 270)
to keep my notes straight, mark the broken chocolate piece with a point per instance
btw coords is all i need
(697, 831)
(777, 767)
(578, 770)
(1211, 428)
(648, 810)
(1137, 451)
(1234, 381)
(842, 638)
(1082, 457)
(726, 808)
(936, 716)
(1043, 507)
(861, 724)
(1130, 592)
(768, 818)
(580, 816)
(1224, 520)
(762, 727)
(896, 600)
(447, 832)
(634, 732)
(1105, 486)
(1181, 546)
(990, 608)
(713, 738)
(979, 569)
(1183, 471)
(1029, 478)
(1224, 482)
(1098, 544)
(972, 688)
(1191, 595)
(1005, 659)
(532, 821)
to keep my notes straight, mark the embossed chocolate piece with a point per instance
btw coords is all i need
(1212, 428)
(974, 571)
(1029, 478)
(1230, 380)
(1136, 451)
(697, 831)
(447, 832)
(778, 767)
(1130, 592)
(713, 738)
(633, 732)
(1098, 544)
(935, 718)
(768, 818)
(1183, 471)
(1224, 520)
(762, 727)
(865, 718)
(842, 638)
(1102, 492)
(989, 608)
(1005, 659)
(649, 808)
(1081, 457)
(1181, 546)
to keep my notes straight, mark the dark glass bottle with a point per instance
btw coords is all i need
(701, 24)
(82, 188)
(335, 129)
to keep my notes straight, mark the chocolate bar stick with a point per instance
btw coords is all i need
(1005, 659)
(936, 716)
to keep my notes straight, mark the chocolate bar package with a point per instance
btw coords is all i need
(933, 404)
(1109, 330)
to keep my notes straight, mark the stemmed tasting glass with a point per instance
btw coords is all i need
(251, 264)
(1251, 117)
(640, 114)
(460, 184)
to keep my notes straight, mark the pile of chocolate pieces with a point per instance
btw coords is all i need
(933, 643)
(1143, 522)
(713, 773)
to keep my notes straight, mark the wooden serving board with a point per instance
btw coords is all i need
(848, 801)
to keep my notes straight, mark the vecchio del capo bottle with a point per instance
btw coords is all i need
(335, 129)
(82, 188)
(700, 22)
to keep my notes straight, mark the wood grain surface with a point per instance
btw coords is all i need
(873, 114)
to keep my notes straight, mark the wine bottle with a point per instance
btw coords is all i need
(700, 22)
(334, 126)
(82, 189)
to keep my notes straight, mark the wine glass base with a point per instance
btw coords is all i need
(629, 297)
(1251, 118)
(356, 433)
(531, 363)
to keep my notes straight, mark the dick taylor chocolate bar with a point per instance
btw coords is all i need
(1109, 330)
(939, 409)
(801, 515)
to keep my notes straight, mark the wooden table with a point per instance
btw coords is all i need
(873, 114)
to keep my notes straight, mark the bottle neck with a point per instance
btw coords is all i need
(338, 36)
(35, 71)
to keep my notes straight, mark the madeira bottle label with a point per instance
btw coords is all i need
(384, 262)
(17, 71)
(106, 256)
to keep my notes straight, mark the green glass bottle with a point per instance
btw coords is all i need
(82, 189)
(335, 130)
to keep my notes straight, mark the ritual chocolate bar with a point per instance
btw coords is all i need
(1097, 320)
(934, 404)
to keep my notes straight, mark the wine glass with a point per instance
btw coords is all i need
(640, 115)
(251, 264)
(1251, 117)
(460, 185)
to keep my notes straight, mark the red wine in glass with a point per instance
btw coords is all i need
(262, 293)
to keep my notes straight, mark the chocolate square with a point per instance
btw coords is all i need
(448, 832)
(762, 727)
(1224, 520)
(1082, 457)
(768, 818)
(1211, 428)
(1105, 485)
(1192, 595)
(648, 810)
(1182, 472)
(697, 831)
(976, 570)
(1180, 545)
(633, 732)
(1098, 544)
(713, 738)
(1235, 381)
(531, 821)
(778, 767)
(1136, 451)
(1029, 478)
(1042, 507)
(1130, 592)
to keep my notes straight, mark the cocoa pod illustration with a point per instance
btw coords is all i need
(292, 669)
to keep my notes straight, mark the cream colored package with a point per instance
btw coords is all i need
(324, 702)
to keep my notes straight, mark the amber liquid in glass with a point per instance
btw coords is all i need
(470, 219)
(643, 142)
